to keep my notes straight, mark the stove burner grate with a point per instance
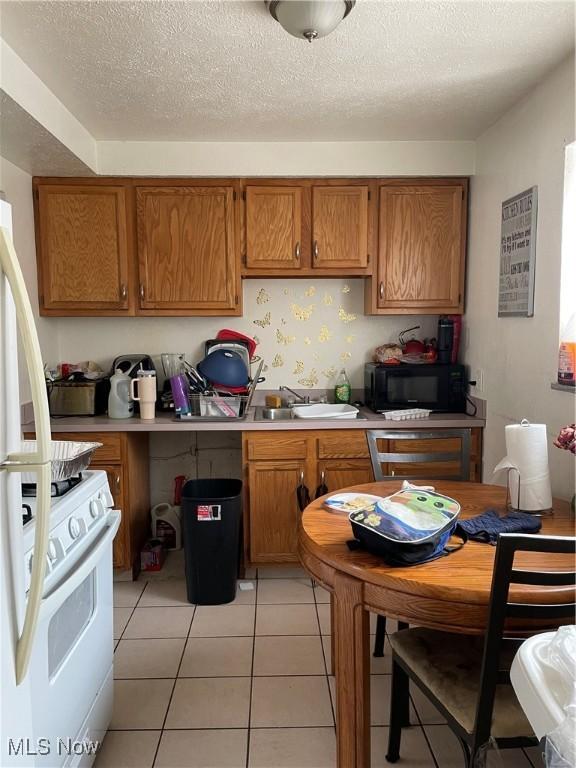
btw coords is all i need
(59, 488)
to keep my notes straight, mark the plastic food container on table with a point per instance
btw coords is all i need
(543, 675)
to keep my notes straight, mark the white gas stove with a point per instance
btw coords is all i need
(76, 519)
(69, 698)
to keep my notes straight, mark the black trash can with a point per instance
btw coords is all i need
(211, 521)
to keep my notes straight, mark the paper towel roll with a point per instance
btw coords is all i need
(527, 453)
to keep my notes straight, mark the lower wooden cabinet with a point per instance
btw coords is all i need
(272, 485)
(276, 462)
(124, 457)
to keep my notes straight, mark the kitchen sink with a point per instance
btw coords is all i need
(273, 414)
(317, 411)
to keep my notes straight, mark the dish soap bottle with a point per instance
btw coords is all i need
(120, 404)
(342, 389)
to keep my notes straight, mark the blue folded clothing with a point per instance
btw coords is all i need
(489, 525)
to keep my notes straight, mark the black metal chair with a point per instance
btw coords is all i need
(468, 679)
(378, 458)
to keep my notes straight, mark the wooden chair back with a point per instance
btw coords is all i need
(396, 457)
(502, 611)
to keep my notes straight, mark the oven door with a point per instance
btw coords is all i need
(73, 651)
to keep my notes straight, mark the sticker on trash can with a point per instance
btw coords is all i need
(209, 512)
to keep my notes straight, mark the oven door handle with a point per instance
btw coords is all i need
(82, 568)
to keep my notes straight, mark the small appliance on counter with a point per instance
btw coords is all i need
(78, 396)
(437, 387)
(131, 364)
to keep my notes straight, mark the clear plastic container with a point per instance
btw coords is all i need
(407, 413)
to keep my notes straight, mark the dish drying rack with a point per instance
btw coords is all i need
(218, 405)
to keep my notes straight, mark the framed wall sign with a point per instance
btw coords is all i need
(518, 255)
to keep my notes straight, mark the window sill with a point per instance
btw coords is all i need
(563, 387)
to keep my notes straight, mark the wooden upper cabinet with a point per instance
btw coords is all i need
(273, 227)
(187, 251)
(339, 227)
(422, 241)
(82, 249)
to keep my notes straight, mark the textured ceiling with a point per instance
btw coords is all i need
(27, 144)
(226, 71)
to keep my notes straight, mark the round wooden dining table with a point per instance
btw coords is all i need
(449, 594)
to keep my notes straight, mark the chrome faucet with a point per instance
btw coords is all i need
(302, 398)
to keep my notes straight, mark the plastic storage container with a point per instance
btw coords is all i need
(211, 521)
(166, 525)
(543, 675)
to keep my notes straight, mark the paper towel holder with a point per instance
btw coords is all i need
(509, 505)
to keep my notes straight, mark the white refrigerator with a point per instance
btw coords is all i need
(18, 621)
(56, 638)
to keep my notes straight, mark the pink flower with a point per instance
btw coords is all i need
(567, 438)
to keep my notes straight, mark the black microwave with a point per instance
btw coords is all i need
(441, 388)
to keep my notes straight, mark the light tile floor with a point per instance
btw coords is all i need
(248, 685)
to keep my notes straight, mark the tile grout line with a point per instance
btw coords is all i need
(327, 674)
(426, 739)
(117, 642)
(252, 675)
(173, 688)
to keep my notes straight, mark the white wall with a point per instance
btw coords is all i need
(308, 330)
(17, 188)
(28, 91)
(296, 158)
(519, 355)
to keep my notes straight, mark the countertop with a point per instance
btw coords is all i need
(167, 423)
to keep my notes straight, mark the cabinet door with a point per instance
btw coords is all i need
(273, 227)
(187, 251)
(82, 245)
(121, 553)
(342, 473)
(421, 247)
(339, 227)
(274, 511)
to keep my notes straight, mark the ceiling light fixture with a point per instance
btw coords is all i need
(309, 19)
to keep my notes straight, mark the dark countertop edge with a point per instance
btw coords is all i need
(166, 423)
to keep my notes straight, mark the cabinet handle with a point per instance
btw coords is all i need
(297, 251)
(302, 493)
(117, 480)
(123, 291)
(316, 250)
(322, 477)
(381, 290)
(142, 291)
